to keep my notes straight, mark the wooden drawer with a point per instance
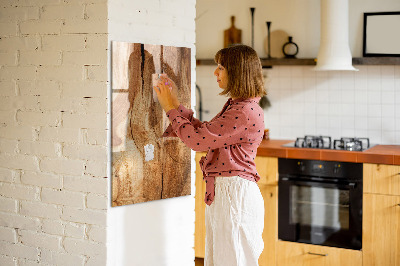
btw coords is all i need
(298, 254)
(381, 179)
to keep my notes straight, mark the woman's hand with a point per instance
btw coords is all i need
(174, 89)
(165, 97)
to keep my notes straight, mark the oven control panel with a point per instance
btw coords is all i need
(331, 169)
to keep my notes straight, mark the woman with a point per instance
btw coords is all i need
(235, 207)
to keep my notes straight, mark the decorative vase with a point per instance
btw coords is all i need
(290, 49)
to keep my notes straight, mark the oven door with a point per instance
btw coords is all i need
(320, 212)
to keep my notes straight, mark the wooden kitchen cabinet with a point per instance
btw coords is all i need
(200, 207)
(381, 179)
(267, 167)
(270, 233)
(381, 230)
(298, 254)
(381, 215)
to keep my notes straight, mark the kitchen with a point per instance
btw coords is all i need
(307, 104)
(55, 133)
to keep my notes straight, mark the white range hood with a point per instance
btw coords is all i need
(334, 51)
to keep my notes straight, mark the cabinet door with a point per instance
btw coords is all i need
(270, 233)
(381, 230)
(267, 168)
(297, 254)
(381, 179)
(200, 207)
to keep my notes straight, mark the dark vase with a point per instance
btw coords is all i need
(290, 49)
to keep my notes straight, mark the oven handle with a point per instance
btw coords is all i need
(297, 181)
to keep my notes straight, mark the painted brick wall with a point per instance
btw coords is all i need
(53, 123)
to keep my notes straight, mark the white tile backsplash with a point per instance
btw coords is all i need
(388, 97)
(387, 111)
(374, 97)
(364, 103)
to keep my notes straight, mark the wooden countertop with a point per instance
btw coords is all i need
(379, 154)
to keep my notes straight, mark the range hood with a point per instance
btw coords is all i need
(334, 51)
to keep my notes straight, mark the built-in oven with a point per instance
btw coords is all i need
(320, 202)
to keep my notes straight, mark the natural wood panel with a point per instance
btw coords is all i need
(381, 230)
(200, 207)
(146, 166)
(298, 254)
(381, 179)
(270, 233)
(267, 168)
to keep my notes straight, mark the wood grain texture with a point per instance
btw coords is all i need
(298, 254)
(267, 168)
(381, 179)
(270, 233)
(145, 166)
(381, 230)
(232, 35)
(200, 207)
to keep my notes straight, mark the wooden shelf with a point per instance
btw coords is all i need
(312, 61)
(376, 61)
(288, 62)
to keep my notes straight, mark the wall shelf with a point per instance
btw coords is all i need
(312, 61)
(376, 61)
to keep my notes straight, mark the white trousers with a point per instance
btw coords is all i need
(234, 223)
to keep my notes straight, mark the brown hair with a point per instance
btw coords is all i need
(245, 78)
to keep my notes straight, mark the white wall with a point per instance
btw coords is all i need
(338, 104)
(53, 190)
(157, 232)
(299, 18)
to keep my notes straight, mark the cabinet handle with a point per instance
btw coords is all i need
(318, 254)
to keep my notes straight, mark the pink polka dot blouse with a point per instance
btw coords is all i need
(231, 139)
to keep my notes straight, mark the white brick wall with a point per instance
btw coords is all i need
(53, 126)
(53, 121)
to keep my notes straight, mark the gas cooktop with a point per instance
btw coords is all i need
(325, 142)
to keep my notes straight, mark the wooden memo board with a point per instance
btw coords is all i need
(145, 166)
